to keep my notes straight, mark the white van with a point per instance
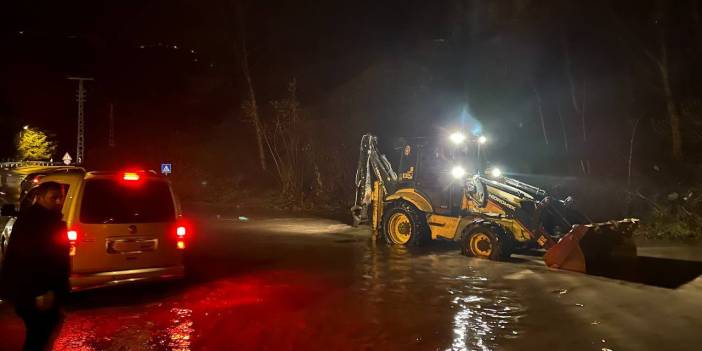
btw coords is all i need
(123, 226)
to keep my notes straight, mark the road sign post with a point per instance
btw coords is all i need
(67, 159)
(166, 169)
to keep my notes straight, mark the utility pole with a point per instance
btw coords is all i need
(80, 97)
(111, 132)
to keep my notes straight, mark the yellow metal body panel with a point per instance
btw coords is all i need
(377, 214)
(409, 175)
(443, 226)
(519, 232)
(412, 197)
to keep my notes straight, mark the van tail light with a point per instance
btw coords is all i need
(131, 176)
(182, 232)
(72, 236)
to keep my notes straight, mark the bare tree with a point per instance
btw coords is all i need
(629, 163)
(696, 20)
(578, 106)
(631, 153)
(568, 69)
(563, 127)
(659, 56)
(663, 64)
(250, 106)
(286, 145)
(539, 106)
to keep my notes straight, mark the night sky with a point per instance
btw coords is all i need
(171, 65)
(172, 71)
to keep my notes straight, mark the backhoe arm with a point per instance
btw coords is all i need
(372, 166)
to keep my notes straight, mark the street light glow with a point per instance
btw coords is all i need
(457, 137)
(482, 139)
(25, 127)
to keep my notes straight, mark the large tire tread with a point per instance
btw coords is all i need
(421, 233)
(502, 246)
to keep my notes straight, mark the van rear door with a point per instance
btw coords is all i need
(126, 224)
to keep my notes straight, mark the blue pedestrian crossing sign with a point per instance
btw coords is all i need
(166, 168)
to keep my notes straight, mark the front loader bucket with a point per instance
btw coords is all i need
(594, 248)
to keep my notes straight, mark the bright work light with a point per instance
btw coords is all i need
(496, 172)
(482, 139)
(457, 137)
(458, 172)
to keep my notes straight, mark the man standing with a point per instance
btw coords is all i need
(36, 268)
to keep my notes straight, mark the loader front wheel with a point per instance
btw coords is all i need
(484, 241)
(403, 224)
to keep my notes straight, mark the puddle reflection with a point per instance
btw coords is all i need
(179, 334)
(75, 335)
(465, 308)
(484, 315)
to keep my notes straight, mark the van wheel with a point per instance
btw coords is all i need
(404, 224)
(486, 241)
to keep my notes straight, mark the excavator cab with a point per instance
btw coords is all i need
(426, 166)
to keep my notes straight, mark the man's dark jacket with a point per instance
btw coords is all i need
(37, 257)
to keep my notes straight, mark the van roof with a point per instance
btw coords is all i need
(27, 170)
(12, 180)
(151, 174)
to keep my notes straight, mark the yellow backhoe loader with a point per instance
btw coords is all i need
(490, 215)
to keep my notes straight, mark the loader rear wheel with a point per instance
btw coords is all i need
(404, 224)
(484, 241)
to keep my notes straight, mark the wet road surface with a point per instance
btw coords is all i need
(310, 284)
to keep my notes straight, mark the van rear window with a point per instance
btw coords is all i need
(108, 201)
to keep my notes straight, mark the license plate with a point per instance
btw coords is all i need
(131, 245)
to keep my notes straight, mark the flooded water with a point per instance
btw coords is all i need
(463, 306)
(319, 285)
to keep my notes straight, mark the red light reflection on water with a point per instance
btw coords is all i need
(180, 333)
(233, 313)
